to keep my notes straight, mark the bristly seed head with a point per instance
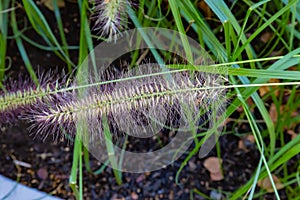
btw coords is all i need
(136, 106)
(18, 96)
(111, 17)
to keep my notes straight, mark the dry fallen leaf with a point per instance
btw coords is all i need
(213, 165)
(265, 37)
(295, 114)
(276, 53)
(49, 4)
(205, 8)
(217, 176)
(134, 196)
(293, 68)
(245, 142)
(250, 103)
(266, 89)
(265, 183)
(292, 134)
(273, 113)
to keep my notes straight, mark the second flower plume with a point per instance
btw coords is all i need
(110, 17)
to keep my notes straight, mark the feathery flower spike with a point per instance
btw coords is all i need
(18, 96)
(135, 106)
(110, 17)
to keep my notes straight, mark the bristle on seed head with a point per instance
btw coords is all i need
(138, 106)
(110, 16)
(17, 96)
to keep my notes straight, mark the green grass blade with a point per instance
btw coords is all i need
(4, 6)
(111, 151)
(74, 169)
(256, 177)
(42, 27)
(216, 8)
(61, 32)
(223, 12)
(280, 158)
(83, 49)
(21, 48)
(242, 31)
(264, 26)
(46, 48)
(295, 10)
(137, 24)
(258, 138)
(190, 13)
(259, 73)
(175, 10)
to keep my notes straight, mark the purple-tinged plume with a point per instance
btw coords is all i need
(135, 106)
(18, 96)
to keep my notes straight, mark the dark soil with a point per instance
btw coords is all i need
(50, 164)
